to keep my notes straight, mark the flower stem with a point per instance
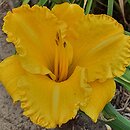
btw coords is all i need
(88, 7)
(119, 122)
(110, 7)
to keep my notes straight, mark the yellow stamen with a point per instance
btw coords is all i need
(61, 60)
(56, 64)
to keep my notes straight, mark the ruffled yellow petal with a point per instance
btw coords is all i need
(102, 93)
(71, 13)
(10, 73)
(105, 50)
(98, 41)
(46, 102)
(33, 31)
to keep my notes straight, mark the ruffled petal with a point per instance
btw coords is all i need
(98, 41)
(71, 13)
(46, 102)
(105, 50)
(10, 73)
(102, 93)
(33, 31)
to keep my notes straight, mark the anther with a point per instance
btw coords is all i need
(57, 43)
(57, 36)
(64, 44)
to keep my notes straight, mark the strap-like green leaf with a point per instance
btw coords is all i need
(118, 122)
(127, 33)
(125, 79)
(123, 83)
(129, 1)
(42, 2)
(88, 7)
(110, 7)
(60, 1)
(25, 1)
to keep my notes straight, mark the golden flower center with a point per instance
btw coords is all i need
(61, 59)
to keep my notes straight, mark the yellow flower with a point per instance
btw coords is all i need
(65, 61)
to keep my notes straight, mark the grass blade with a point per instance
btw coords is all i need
(42, 2)
(60, 1)
(25, 2)
(124, 80)
(129, 1)
(115, 119)
(110, 7)
(88, 7)
(127, 33)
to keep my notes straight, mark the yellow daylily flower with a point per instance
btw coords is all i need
(65, 61)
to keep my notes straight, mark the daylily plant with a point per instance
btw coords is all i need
(65, 61)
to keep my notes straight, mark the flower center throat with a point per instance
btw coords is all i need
(61, 62)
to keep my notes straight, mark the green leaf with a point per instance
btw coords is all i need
(123, 83)
(127, 33)
(60, 1)
(129, 1)
(124, 80)
(115, 119)
(42, 2)
(88, 7)
(25, 1)
(110, 7)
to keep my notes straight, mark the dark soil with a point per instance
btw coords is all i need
(121, 101)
